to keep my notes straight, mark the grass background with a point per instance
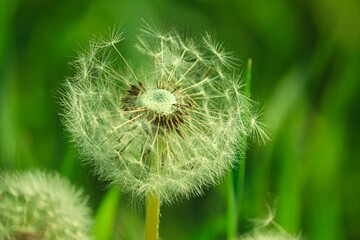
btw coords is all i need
(306, 71)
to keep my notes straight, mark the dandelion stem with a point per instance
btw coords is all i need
(152, 217)
(153, 199)
(236, 178)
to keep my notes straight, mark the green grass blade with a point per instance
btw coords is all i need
(105, 218)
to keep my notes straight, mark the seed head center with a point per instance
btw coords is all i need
(160, 101)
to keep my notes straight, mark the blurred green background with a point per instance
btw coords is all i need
(306, 72)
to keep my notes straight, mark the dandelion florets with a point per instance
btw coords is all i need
(38, 205)
(171, 127)
(159, 101)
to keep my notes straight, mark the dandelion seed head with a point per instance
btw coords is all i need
(267, 228)
(270, 235)
(38, 205)
(171, 128)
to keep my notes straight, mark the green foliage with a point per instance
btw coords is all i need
(105, 220)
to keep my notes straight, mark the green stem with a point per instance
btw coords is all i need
(153, 199)
(241, 166)
(248, 78)
(236, 178)
(152, 217)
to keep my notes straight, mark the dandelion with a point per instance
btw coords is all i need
(165, 130)
(270, 235)
(267, 228)
(37, 205)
